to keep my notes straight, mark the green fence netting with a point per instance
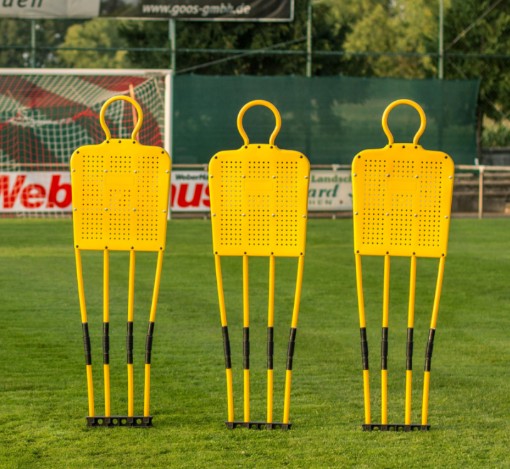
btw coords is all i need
(329, 119)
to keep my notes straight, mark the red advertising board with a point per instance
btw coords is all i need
(50, 191)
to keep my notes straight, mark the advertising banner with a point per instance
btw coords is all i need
(201, 10)
(50, 191)
(192, 10)
(49, 8)
(330, 191)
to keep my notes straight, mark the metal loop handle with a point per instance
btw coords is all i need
(410, 103)
(121, 98)
(259, 102)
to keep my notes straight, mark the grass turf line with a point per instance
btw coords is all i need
(43, 398)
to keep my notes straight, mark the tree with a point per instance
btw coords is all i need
(96, 33)
(223, 35)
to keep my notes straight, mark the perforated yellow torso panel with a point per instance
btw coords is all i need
(120, 196)
(259, 197)
(402, 197)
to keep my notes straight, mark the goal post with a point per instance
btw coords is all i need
(45, 114)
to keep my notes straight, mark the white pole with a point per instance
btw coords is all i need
(441, 41)
(169, 126)
(171, 34)
(480, 191)
(309, 40)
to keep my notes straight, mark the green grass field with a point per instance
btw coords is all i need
(43, 396)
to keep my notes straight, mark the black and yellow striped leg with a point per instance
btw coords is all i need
(430, 343)
(129, 360)
(106, 336)
(270, 352)
(226, 343)
(85, 328)
(246, 368)
(88, 363)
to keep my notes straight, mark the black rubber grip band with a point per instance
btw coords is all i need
(148, 343)
(86, 343)
(129, 342)
(384, 349)
(364, 347)
(246, 348)
(409, 349)
(106, 343)
(429, 349)
(270, 348)
(226, 347)
(290, 348)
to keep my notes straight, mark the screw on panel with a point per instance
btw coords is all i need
(244, 253)
(211, 175)
(106, 247)
(134, 141)
(306, 177)
(213, 214)
(387, 214)
(108, 141)
(387, 175)
(134, 171)
(445, 156)
(354, 175)
(300, 156)
(391, 146)
(244, 214)
(271, 147)
(134, 210)
(215, 157)
(244, 176)
(274, 177)
(357, 252)
(415, 214)
(259, 146)
(167, 171)
(403, 146)
(162, 152)
(75, 209)
(446, 216)
(415, 147)
(105, 170)
(273, 214)
(416, 176)
(76, 245)
(132, 247)
(450, 177)
(106, 209)
(355, 213)
(164, 211)
(120, 141)
(245, 147)
(77, 152)
(304, 216)
(216, 252)
(75, 170)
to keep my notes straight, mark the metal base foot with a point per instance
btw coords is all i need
(120, 421)
(259, 425)
(395, 427)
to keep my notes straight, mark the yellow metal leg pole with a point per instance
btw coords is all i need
(430, 343)
(85, 327)
(292, 340)
(270, 342)
(363, 334)
(409, 350)
(226, 340)
(106, 325)
(246, 340)
(150, 332)
(384, 343)
(130, 331)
